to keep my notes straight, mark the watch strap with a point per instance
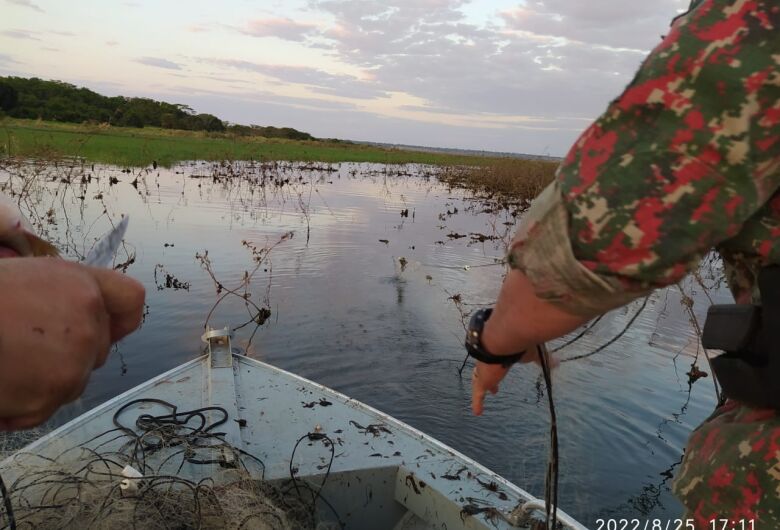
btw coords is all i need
(474, 345)
(488, 358)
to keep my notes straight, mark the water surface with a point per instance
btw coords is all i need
(348, 312)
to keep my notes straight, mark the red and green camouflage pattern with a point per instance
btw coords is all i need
(731, 469)
(687, 159)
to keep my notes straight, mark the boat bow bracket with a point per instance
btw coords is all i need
(220, 380)
(219, 348)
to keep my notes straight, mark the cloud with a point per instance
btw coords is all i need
(616, 24)
(309, 103)
(111, 43)
(429, 50)
(424, 60)
(20, 34)
(63, 33)
(26, 3)
(159, 63)
(315, 79)
(7, 60)
(282, 28)
(309, 115)
(221, 79)
(268, 98)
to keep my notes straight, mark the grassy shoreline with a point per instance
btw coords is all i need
(139, 147)
(509, 177)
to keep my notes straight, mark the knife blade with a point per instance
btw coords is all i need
(102, 254)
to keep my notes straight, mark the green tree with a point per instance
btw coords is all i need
(9, 97)
(210, 123)
(132, 118)
(54, 100)
(168, 121)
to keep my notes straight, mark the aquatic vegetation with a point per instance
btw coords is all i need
(510, 181)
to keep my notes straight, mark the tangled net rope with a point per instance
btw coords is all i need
(141, 477)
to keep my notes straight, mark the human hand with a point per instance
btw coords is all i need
(520, 319)
(486, 378)
(57, 324)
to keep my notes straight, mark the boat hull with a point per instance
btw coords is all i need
(377, 472)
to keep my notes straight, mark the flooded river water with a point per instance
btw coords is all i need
(362, 299)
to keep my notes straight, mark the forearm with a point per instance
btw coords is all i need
(521, 319)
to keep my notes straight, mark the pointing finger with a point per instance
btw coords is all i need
(477, 394)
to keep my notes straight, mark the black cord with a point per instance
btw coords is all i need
(9, 510)
(147, 422)
(613, 339)
(579, 336)
(551, 483)
(313, 436)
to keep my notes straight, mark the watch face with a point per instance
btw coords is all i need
(476, 324)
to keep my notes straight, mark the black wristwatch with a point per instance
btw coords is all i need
(474, 345)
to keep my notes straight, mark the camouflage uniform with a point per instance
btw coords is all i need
(687, 159)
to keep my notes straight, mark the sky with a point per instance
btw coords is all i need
(499, 75)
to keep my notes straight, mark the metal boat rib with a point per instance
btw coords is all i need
(386, 474)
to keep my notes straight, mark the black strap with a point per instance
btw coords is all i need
(474, 341)
(749, 370)
(489, 358)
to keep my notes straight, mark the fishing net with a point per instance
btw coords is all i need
(172, 471)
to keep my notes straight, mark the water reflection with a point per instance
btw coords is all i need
(362, 298)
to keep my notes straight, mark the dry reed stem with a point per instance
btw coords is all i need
(512, 180)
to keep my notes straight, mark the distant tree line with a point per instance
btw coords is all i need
(57, 101)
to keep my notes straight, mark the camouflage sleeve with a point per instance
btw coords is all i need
(674, 167)
(543, 251)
